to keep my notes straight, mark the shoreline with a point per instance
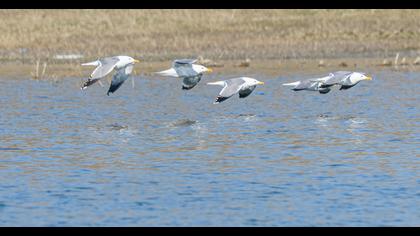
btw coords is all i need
(222, 34)
(60, 70)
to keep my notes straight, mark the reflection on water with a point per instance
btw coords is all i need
(157, 155)
(182, 122)
(117, 126)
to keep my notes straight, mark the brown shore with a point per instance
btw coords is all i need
(273, 41)
(223, 67)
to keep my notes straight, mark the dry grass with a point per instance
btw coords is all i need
(157, 35)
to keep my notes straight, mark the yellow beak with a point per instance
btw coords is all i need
(136, 61)
(260, 82)
(368, 78)
(209, 70)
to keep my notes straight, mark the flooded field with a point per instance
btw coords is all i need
(155, 155)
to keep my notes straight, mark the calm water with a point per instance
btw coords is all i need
(156, 155)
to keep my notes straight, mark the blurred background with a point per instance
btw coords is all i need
(218, 34)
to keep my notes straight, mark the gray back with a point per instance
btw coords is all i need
(185, 61)
(338, 77)
(183, 67)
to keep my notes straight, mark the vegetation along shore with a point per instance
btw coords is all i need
(55, 42)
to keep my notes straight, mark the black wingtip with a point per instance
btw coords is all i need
(324, 91)
(114, 87)
(220, 99)
(88, 83)
(325, 85)
(188, 88)
(344, 87)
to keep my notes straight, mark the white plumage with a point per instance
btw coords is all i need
(122, 64)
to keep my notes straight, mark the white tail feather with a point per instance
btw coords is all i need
(169, 72)
(221, 83)
(92, 63)
(292, 84)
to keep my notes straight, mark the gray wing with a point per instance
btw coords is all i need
(337, 78)
(106, 65)
(185, 61)
(184, 68)
(232, 87)
(190, 82)
(119, 78)
(307, 85)
(246, 92)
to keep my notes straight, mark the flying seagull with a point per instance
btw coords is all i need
(346, 79)
(122, 64)
(186, 69)
(309, 85)
(242, 85)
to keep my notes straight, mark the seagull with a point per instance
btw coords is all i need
(186, 69)
(242, 85)
(309, 85)
(346, 79)
(122, 64)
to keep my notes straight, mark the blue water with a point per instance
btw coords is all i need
(156, 155)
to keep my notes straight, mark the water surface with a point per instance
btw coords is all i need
(156, 155)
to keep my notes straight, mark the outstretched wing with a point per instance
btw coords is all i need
(246, 92)
(119, 78)
(322, 79)
(307, 85)
(336, 78)
(184, 68)
(190, 82)
(106, 65)
(232, 86)
(185, 61)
